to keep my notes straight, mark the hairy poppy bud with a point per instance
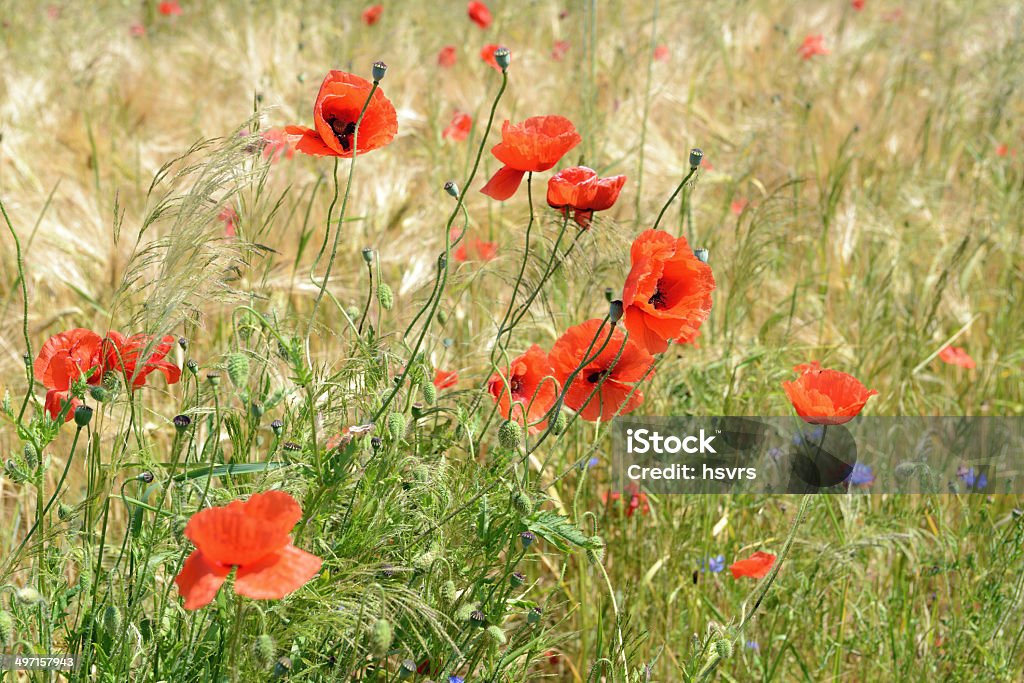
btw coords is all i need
(31, 456)
(112, 620)
(527, 538)
(264, 648)
(723, 646)
(451, 188)
(522, 503)
(396, 425)
(510, 434)
(449, 592)
(696, 155)
(277, 426)
(192, 366)
(99, 393)
(534, 615)
(596, 553)
(702, 254)
(6, 629)
(385, 296)
(503, 58)
(182, 422)
(213, 377)
(560, 424)
(238, 369)
(496, 635)
(379, 69)
(465, 612)
(615, 311)
(382, 637)
(83, 415)
(429, 392)
(28, 596)
(517, 579)
(368, 254)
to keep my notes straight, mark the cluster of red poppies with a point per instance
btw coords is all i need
(82, 355)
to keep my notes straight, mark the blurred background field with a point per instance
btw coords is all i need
(861, 207)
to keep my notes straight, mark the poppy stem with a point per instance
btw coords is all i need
(29, 367)
(671, 199)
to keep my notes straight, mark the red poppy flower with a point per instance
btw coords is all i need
(64, 359)
(447, 56)
(341, 98)
(857, 4)
(578, 188)
(487, 54)
(277, 144)
(956, 355)
(252, 536)
(170, 8)
(559, 50)
(813, 45)
(1002, 150)
(479, 14)
(618, 376)
(137, 30)
(444, 379)
(756, 566)
(826, 397)
(372, 14)
(459, 128)
(737, 206)
(532, 395)
(229, 217)
(661, 53)
(474, 248)
(122, 354)
(668, 291)
(536, 144)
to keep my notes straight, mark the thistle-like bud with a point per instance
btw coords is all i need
(379, 69)
(429, 392)
(522, 502)
(503, 57)
(527, 538)
(146, 477)
(112, 620)
(696, 155)
(396, 425)
(264, 648)
(277, 426)
(534, 615)
(368, 254)
(516, 579)
(6, 629)
(510, 434)
(615, 311)
(213, 377)
(451, 188)
(496, 635)
(192, 366)
(702, 254)
(83, 415)
(385, 297)
(182, 422)
(382, 637)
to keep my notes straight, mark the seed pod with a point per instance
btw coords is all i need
(238, 369)
(112, 621)
(408, 668)
(522, 502)
(502, 57)
(264, 648)
(396, 425)
(496, 635)
(478, 618)
(277, 426)
(282, 667)
(510, 434)
(192, 366)
(696, 156)
(385, 297)
(379, 69)
(516, 579)
(213, 377)
(6, 629)
(382, 637)
(83, 415)
(527, 538)
(534, 615)
(429, 392)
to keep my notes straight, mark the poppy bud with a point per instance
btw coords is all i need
(264, 648)
(112, 620)
(6, 629)
(702, 254)
(213, 378)
(503, 58)
(496, 635)
(238, 369)
(527, 538)
(192, 366)
(429, 392)
(64, 512)
(379, 69)
(510, 434)
(83, 415)
(28, 596)
(522, 503)
(277, 426)
(31, 456)
(448, 592)
(451, 188)
(182, 422)
(478, 618)
(99, 394)
(696, 155)
(534, 615)
(382, 637)
(408, 668)
(146, 477)
(596, 553)
(396, 425)
(517, 579)
(183, 343)
(723, 646)
(615, 311)
(385, 296)
(12, 470)
(560, 424)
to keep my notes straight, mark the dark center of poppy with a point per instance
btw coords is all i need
(343, 130)
(515, 385)
(657, 300)
(596, 376)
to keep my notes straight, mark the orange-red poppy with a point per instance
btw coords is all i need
(447, 56)
(533, 145)
(479, 14)
(661, 53)
(443, 379)
(756, 566)
(613, 379)
(487, 54)
(956, 355)
(459, 127)
(474, 248)
(277, 144)
(826, 397)
(1002, 149)
(341, 98)
(64, 359)
(812, 46)
(171, 8)
(668, 291)
(532, 395)
(579, 189)
(737, 206)
(252, 536)
(857, 4)
(123, 354)
(372, 14)
(559, 50)
(229, 217)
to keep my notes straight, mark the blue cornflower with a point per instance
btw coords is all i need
(812, 436)
(971, 479)
(455, 679)
(861, 475)
(752, 645)
(713, 564)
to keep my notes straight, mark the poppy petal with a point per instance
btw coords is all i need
(503, 184)
(200, 580)
(277, 575)
(308, 141)
(231, 536)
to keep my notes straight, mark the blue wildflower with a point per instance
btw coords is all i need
(713, 564)
(752, 645)
(861, 475)
(972, 480)
(455, 679)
